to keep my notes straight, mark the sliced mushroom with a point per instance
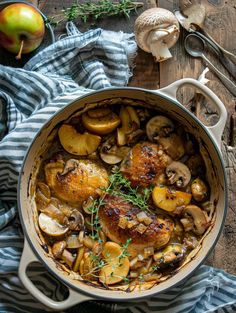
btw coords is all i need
(110, 153)
(87, 205)
(199, 190)
(134, 137)
(159, 126)
(57, 248)
(41, 200)
(70, 166)
(129, 124)
(173, 145)
(42, 196)
(199, 219)
(190, 241)
(76, 220)
(68, 258)
(157, 30)
(56, 214)
(208, 206)
(173, 253)
(44, 189)
(178, 174)
(72, 242)
(50, 226)
(187, 223)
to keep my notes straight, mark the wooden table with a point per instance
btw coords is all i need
(220, 23)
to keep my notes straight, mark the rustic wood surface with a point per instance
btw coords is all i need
(220, 24)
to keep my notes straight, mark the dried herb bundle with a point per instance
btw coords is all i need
(95, 10)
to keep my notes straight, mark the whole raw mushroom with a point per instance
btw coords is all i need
(157, 30)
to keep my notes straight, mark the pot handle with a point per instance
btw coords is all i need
(215, 130)
(29, 257)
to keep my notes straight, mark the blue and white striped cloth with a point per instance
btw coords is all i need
(62, 72)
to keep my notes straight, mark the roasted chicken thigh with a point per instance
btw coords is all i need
(156, 234)
(144, 163)
(76, 180)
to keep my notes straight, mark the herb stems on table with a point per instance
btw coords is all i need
(95, 10)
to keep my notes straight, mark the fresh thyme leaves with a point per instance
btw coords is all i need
(95, 10)
(98, 262)
(121, 186)
(155, 267)
(125, 279)
(124, 248)
(94, 222)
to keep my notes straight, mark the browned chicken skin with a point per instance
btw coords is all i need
(76, 180)
(157, 233)
(144, 163)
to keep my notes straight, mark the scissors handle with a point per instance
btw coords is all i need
(226, 53)
(227, 58)
(225, 80)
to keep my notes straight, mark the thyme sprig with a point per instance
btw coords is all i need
(121, 186)
(95, 10)
(124, 248)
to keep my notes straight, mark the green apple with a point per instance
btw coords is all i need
(21, 28)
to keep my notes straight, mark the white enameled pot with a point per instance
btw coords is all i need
(209, 139)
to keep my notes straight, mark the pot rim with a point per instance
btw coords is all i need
(144, 293)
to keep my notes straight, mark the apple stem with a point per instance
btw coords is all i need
(18, 57)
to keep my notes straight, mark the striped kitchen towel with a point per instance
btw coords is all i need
(62, 72)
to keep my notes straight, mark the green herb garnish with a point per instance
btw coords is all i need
(121, 186)
(95, 10)
(124, 248)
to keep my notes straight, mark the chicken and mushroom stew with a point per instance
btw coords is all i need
(122, 197)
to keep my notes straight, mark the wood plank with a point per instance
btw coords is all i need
(220, 24)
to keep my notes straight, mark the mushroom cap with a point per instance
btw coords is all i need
(159, 126)
(110, 153)
(199, 219)
(58, 248)
(154, 19)
(178, 173)
(50, 226)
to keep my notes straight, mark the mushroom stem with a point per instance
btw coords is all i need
(18, 57)
(160, 51)
(157, 42)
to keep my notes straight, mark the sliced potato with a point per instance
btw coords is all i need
(121, 137)
(80, 254)
(126, 123)
(50, 226)
(100, 121)
(76, 143)
(133, 116)
(169, 200)
(86, 266)
(129, 123)
(117, 267)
